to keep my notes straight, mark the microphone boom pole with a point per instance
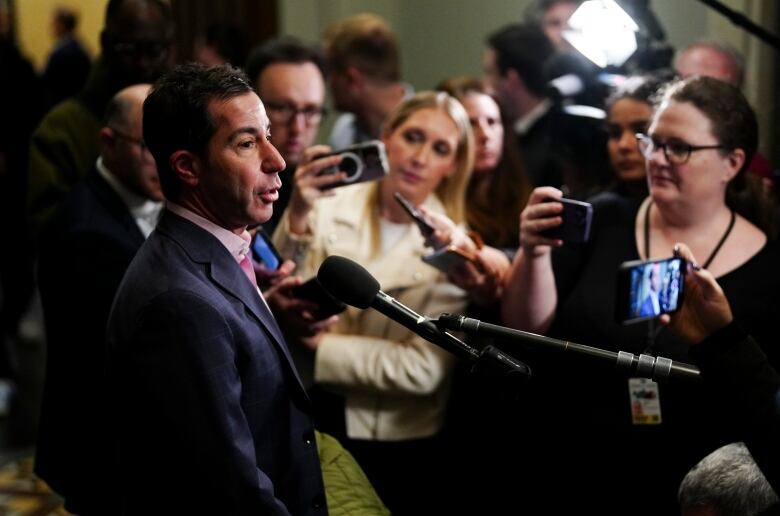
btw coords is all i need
(646, 366)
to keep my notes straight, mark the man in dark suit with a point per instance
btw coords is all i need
(514, 62)
(208, 412)
(86, 250)
(68, 64)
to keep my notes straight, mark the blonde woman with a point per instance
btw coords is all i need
(394, 384)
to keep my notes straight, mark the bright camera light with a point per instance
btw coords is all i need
(603, 32)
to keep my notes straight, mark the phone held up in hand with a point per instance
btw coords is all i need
(264, 252)
(577, 217)
(647, 289)
(425, 228)
(362, 162)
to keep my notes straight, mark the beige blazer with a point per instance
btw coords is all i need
(396, 384)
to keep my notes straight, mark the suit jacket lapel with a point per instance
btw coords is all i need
(227, 274)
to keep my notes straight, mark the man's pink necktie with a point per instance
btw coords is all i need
(246, 262)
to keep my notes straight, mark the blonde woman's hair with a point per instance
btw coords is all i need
(452, 189)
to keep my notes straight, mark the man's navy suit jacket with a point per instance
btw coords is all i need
(210, 416)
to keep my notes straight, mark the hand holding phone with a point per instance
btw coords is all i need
(328, 305)
(647, 289)
(705, 308)
(362, 162)
(575, 227)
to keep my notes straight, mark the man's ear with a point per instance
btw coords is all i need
(107, 137)
(355, 77)
(513, 78)
(187, 166)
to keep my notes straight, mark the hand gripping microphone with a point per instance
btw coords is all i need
(350, 283)
(646, 366)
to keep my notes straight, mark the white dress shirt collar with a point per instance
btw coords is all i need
(237, 246)
(144, 211)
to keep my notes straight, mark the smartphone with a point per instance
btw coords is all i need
(448, 257)
(647, 289)
(362, 162)
(425, 228)
(264, 252)
(577, 217)
(327, 305)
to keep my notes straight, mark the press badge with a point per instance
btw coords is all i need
(645, 403)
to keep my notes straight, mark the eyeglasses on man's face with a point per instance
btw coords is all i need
(124, 136)
(676, 152)
(284, 112)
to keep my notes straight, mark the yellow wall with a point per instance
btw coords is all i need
(33, 25)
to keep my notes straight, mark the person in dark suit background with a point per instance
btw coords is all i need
(86, 250)
(135, 47)
(68, 64)
(514, 61)
(208, 414)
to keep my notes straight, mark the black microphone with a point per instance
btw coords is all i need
(646, 366)
(350, 283)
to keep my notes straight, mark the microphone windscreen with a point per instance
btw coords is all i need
(348, 281)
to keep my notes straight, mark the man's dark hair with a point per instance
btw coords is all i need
(283, 50)
(67, 19)
(176, 113)
(525, 49)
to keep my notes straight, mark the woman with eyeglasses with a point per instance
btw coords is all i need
(643, 436)
(393, 385)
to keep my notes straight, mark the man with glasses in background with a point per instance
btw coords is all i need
(290, 78)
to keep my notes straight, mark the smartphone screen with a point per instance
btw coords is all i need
(650, 288)
(264, 252)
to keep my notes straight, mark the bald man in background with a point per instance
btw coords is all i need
(712, 59)
(135, 48)
(723, 62)
(86, 249)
